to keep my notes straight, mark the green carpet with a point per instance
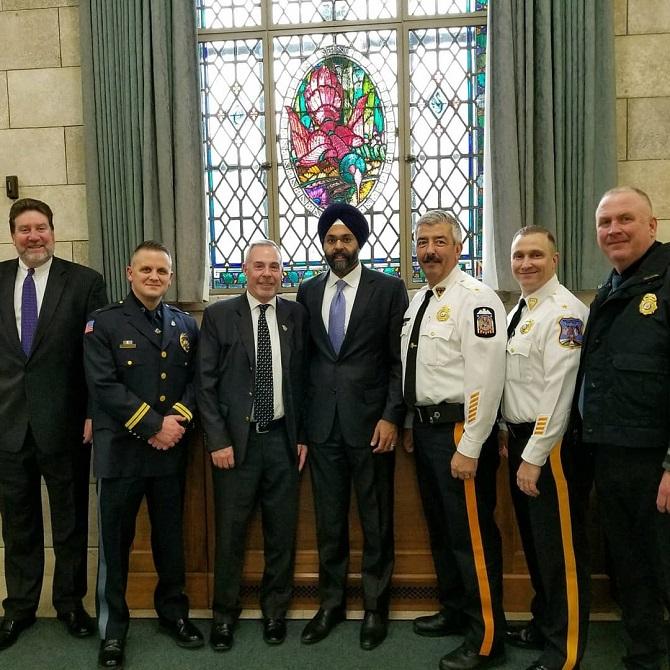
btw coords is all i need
(46, 646)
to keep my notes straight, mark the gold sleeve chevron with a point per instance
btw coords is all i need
(541, 425)
(183, 410)
(473, 407)
(138, 416)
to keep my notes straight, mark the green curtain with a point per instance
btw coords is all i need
(143, 142)
(551, 131)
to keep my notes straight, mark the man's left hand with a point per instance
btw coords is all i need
(302, 455)
(663, 498)
(385, 437)
(88, 431)
(526, 478)
(463, 467)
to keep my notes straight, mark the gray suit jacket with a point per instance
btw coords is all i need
(226, 371)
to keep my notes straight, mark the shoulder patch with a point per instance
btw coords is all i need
(571, 333)
(89, 327)
(485, 321)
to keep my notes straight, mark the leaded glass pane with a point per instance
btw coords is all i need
(440, 7)
(234, 124)
(317, 11)
(228, 13)
(336, 102)
(446, 95)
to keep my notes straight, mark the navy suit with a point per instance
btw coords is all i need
(348, 394)
(266, 468)
(43, 408)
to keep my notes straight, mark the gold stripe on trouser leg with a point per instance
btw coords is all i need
(571, 589)
(478, 555)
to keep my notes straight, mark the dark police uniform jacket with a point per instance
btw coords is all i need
(135, 378)
(625, 363)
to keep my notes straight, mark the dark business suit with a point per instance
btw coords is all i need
(136, 376)
(348, 394)
(266, 466)
(42, 409)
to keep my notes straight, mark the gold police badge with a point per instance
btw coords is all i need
(185, 342)
(648, 304)
(443, 313)
(526, 326)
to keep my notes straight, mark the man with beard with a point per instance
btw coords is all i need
(44, 303)
(453, 352)
(355, 408)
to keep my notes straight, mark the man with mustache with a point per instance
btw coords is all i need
(44, 303)
(355, 408)
(453, 352)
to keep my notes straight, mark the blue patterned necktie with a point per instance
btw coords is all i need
(264, 392)
(28, 312)
(338, 309)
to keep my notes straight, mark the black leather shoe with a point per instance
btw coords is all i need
(111, 654)
(437, 625)
(537, 666)
(320, 626)
(463, 658)
(77, 622)
(221, 637)
(373, 630)
(10, 629)
(274, 630)
(527, 636)
(183, 632)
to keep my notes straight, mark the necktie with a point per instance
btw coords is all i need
(410, 363)
(263, 391)
(617, 280)
(338, 308)
(516, 317)
(28, 312)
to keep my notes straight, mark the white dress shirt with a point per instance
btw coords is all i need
(40, 278)
(349, 291)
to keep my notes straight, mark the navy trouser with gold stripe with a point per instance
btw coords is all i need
(556, 549)
(464, 539)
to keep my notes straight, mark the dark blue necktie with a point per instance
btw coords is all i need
(28, 312)
(338, 309)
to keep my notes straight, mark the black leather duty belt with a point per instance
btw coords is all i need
(445, 412)
(268, 427)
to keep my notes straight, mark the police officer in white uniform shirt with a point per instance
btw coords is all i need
(453, 355)
(545, 335)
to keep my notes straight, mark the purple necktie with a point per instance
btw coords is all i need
(338, 308)
(28, 312)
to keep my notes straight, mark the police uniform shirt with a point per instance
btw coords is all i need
(271, 318)
(542, 363)
(40, 277)
(349, 291)
(461, 355)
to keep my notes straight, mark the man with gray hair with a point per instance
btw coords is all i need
(453, 355)
(250, 390)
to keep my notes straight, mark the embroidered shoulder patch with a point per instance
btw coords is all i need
(571, 332)
(485, 322)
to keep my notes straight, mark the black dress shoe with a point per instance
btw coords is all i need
(111, 654)
(77, 622)
(464, 658)
(527, 636)
(10, 629)
(221, 637)
(373, 630)
(183, 632)
(274, 630)
(320, 626)
(437, 625)
(537, 666)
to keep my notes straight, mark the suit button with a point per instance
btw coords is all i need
(130, 362)
(246, 418)
(162, 398)
(250, 393)
(163, 375)
(163, 354)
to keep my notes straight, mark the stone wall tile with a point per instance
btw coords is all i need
(621, 128)
(663, 232)
(648, 128)
(642, 66)
(620, 17)
(68, 19)
(29, 39)
(35, 155)
(37, 4)
(648, 16)
(4, 103)
(652, 177)
(74, 154)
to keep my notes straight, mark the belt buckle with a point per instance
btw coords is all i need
(259, 428)
(434, 417)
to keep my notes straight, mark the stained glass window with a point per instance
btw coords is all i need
(297, 118)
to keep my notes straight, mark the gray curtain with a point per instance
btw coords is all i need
(143, 144)
(551, 140)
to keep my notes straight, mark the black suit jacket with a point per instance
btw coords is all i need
(227, 366)
(47, 391)
(363, 383)
(136, 378)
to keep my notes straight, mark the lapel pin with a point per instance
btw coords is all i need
(284, 328)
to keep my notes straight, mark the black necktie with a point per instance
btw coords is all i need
(263, 391)
(516, 317)
(410, 363)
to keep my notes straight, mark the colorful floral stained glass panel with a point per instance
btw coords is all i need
(234, 127)
(317, 11)
(440, 7)
(228, 13)
(336, 102)
(447, 77)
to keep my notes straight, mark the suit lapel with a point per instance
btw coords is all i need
(7, 314)
(245, 327)
(58, 276)
(285, 327)
(139, 321)
(314, 308)
(363, 295)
